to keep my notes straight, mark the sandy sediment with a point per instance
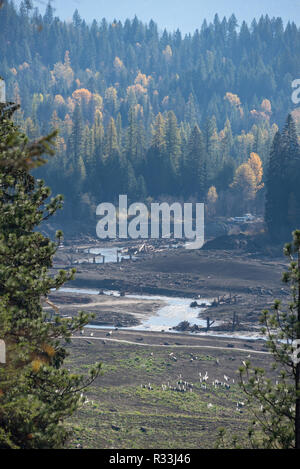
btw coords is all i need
(255, 281)
(108, 310)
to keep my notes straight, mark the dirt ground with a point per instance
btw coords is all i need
(107, 310)
(134, 405)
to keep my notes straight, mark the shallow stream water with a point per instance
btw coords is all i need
(173, 311)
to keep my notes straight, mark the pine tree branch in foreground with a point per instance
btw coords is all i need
(37, 393)
(275, 402)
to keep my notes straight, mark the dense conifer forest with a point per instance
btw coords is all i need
(153, 115)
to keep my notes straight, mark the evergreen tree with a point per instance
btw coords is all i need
(114, 164)
(75, 144)
(132, 137)
(276, 405)
(157, 171)
(173, 150)
(274, 199)
(37, 393)
(194, 171)
(282, 183)
(88, 74)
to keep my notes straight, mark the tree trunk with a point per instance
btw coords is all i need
(209, 324)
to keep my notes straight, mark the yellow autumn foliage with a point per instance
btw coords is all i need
(233, 99)
(36, 365)
(245, 182)
(168, 53)
(49, 350)
(82, 95)
(257, 168)
(266, 106)
(142, 79)
(212, 195)
(118, 64)
(59, 100)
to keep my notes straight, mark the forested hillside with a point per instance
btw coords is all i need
(171, 14)
(147, 114)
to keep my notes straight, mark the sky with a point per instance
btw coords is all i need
(187, 15)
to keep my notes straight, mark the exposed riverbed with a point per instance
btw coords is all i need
(171, 312)
(103, 256)
(154, 291)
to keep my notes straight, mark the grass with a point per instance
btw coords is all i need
(122, 414)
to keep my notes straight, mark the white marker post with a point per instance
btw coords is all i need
(2, 352)
(2, 92)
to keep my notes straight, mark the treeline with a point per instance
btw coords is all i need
(147, 114)
(282, 184)
(94, 163)
(189, 75)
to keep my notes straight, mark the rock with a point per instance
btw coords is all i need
(183, 326)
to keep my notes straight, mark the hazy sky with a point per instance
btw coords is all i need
(172, 14)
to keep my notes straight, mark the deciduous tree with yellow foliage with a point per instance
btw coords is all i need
(248, 181)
